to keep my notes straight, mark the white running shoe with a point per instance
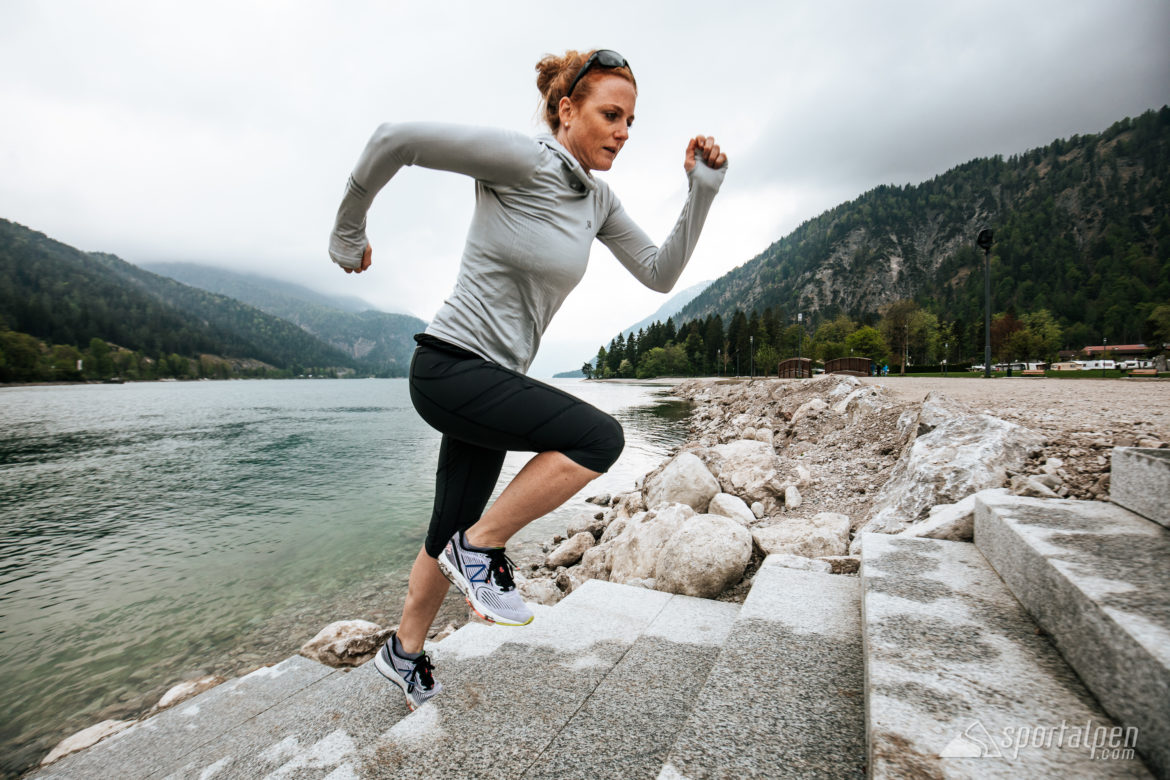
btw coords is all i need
(413, 675)
(485, 579)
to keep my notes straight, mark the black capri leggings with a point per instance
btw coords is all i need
(483, 410)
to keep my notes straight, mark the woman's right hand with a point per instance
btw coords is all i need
(367, 260)
(703, 147)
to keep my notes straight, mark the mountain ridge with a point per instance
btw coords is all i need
(1084, 211)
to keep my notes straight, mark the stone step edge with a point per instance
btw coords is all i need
(1140, 482)
(1122, 659)
(950, 589)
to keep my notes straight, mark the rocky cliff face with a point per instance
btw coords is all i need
(1091, 208)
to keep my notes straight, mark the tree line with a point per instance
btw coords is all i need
(902, 335)
(1082, 231)
(25, 358)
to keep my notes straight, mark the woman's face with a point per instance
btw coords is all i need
(595, 129)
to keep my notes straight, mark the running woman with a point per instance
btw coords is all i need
(538, 208)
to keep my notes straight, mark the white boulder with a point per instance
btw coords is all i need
(731, 506)
(955, 522)
(792, 498)
(683, 480)
(959, 453)
(746, 468)
(634, 553)
(862, 403)
(346, 643)
(1030, 486)
(541, 590)
(85, 738)
(186, 689)
(808, 409)
(570, 551)
(708, 554)
(824, 534)
(593, 523)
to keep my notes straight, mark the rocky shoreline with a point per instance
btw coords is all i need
(801, 468)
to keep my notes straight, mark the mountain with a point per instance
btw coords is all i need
(664, 312)
(65, 296)
(669, 309)
(379, 340)
(259, 291)
(1082, 229)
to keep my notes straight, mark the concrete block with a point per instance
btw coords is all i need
(1140, 482)
(500, 709)
(784, 698)
(960, 682)
(1097, 578)
(629, 722)
(156, 744)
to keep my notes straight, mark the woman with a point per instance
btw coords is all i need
(538, 209)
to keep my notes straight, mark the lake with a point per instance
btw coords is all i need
(155, 532)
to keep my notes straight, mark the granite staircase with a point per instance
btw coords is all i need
(1041, 650)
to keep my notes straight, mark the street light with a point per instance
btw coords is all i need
(984, 241)
(718, 354)
(752, 356)
(799, 338)
(946, 351)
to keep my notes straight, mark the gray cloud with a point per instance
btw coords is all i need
(222, 132)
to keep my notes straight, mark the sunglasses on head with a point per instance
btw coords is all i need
(606, 58)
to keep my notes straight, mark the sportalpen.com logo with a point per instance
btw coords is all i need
(1102, 743)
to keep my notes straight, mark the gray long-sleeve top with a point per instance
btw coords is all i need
(536, 213)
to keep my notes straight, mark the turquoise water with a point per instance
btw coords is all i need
(154, 532)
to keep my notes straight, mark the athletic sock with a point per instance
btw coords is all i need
(398, 651)
(469, 546)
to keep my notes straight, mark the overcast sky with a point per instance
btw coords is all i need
(222, 132)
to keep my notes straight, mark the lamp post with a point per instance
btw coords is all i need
(1104, 352)
(946, 351)
(984, 240)
(752, 357)
(718, 354)
(799, 338)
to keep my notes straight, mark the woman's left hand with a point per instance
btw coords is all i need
(703, 147)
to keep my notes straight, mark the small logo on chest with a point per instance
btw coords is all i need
(588, 223)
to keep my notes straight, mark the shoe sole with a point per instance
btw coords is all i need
(459, 581)
(392, 675)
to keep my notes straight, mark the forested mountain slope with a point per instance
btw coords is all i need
(65, 296)
(1082, 229)
(380, 340)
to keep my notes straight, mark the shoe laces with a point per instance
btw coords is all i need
(501, 569)
(424, 671)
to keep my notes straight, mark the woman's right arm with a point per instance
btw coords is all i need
(494, 156)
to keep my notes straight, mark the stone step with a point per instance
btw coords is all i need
(509, 692)
(784, 698)
(493, 713)
(1096, 578)
(1140, 481)
(961, 684)
(155, 743)
(625, 728)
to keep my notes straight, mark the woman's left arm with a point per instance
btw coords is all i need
(659, 267)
